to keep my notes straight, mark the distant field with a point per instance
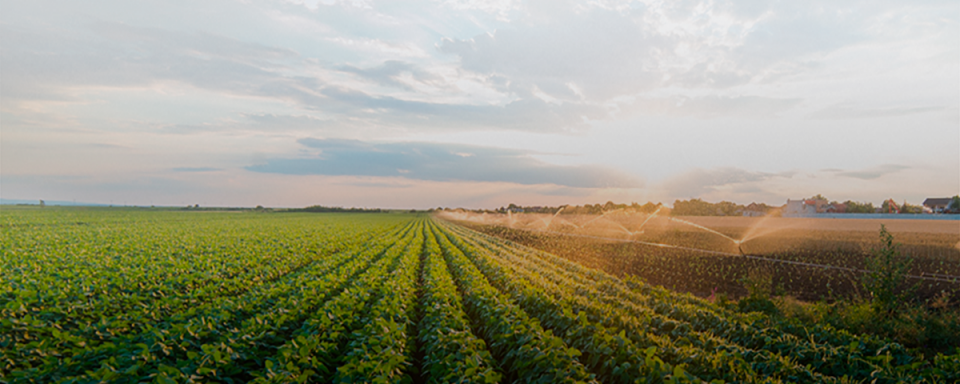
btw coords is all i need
(949, 227)
(128, 295)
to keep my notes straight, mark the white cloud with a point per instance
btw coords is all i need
(848, 111)
(700, 182)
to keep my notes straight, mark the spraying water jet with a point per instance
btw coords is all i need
(600, 217)
(704, 228)
(652, 215)
(550, 220)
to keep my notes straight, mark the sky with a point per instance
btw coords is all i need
(477, 104)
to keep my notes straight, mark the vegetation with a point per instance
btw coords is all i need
(173, 296)
(697, 207)
(887, 275)
(322, 209)
(954, 205)
(888, 301)
(587, 209)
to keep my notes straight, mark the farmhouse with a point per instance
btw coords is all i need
(755, 210)
(936, 204)
(835, 208)
(803, 207)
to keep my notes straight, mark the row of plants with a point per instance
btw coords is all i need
(315, 350)
(451, 352)
(383, 348)
(526, 351)
(46, 353)
(606, 351)
(380, 298)
(769, 351)
(703, 354)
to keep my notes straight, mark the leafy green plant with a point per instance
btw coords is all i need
(122, 296)
(887, 275)
(759, 285)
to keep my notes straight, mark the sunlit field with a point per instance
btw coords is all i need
(479, 191)
(141, 295)
(804, 257)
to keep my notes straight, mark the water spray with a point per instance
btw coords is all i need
(735, 241)
(550, 220)
(600, 217)
(652, 215)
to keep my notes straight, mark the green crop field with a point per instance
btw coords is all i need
(127, 295)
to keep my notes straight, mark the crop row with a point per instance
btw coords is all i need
(713, 343)
(40, 349)
(382, 298)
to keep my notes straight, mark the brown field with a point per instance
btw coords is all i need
(806, 258)
(950, 227)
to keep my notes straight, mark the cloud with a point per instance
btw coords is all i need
(196, 169)
(107, 146)
(873, 172)
(524, 114)
(604, 53)
(848, 111)
(391, 73)
(378, 185)
(440, 162)
(276, 122)
(41, 64)
(606, 50)
(698, 182)
(707, 107)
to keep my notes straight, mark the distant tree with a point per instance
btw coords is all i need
(954, 205)
(42, 203)
(322, 209)
(817, 197)
(909, 208)
(692, 207)
(697, 207)
(649, 207)
(858, 207)
(726, 208)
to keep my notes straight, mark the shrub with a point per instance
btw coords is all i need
(759, 285)
(887, 274)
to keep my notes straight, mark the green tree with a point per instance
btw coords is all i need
(954, 205)
(909, 208)
(858, 207)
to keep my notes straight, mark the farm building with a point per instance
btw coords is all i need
(936, 204)
(803, 207)
(835, 208)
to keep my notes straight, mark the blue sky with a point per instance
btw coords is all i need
(478, 103)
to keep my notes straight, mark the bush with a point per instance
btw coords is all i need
(758, 304)
(759, 285)
(887, 275)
